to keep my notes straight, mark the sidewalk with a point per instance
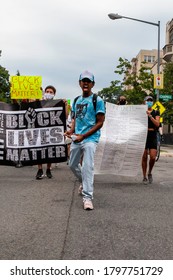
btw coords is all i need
(166, 150)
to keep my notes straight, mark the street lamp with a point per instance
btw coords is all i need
(117, 16)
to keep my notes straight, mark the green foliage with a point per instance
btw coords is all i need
(4, 85)
(135, 87)
(111, 94)
(124, 67)
(168, 113)
(168, 89)
(18, 73)
(168, 78)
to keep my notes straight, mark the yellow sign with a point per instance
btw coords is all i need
(159, 107)
(158, 81)
(26, 87)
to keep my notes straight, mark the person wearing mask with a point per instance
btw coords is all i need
(151, 141)
(85, 133)
(122, 100)
(48, 94)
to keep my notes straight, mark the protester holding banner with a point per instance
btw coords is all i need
(85, 133)
(49, 93)
(151, 142)
(122, 100)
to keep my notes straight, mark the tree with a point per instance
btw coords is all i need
(18, 73)
(4, 85)
(135, 86)
(168, 113)
(132, 85)
(111, 94)
(168, 89)
(168, 81)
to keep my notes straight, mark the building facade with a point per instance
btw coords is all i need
(168, 48)
(150, 59)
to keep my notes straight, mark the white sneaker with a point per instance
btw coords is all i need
(87, 204)
(80, 189)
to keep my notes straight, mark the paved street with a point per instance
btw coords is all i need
(42, 220)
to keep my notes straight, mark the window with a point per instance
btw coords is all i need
(148, 71)
(149, 58)
(169, 48)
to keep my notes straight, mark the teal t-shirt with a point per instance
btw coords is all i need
(85, 116)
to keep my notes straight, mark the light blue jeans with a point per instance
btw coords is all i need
(84, 173)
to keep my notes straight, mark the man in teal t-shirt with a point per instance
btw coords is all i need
(85, 133)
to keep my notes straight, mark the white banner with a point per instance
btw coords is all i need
(122, 141)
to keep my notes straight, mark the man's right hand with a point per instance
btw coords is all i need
(68, 133)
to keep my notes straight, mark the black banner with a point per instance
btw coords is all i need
(32, 132)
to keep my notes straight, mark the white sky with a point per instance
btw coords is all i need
(58, 39)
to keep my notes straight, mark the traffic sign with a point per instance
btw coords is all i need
(159, 107)
(165, 96)
(158, 81)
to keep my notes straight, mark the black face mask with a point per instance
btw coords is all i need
(122, 102)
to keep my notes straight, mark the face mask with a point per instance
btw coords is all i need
(48, 96)
(149, 103)
(122, 102)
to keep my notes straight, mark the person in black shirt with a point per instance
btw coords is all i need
(151, 141)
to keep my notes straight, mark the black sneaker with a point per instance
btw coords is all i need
(150, 178)
(39, 174)
(48, 174)
(67, 160)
